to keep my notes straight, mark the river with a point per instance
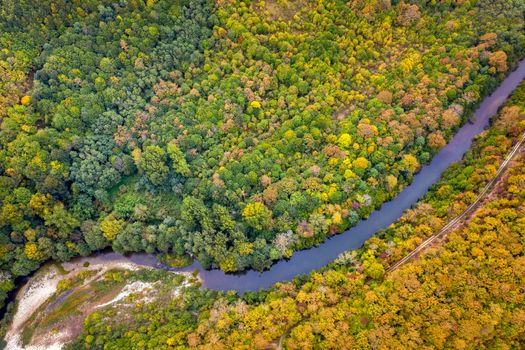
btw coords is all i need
(305, 261)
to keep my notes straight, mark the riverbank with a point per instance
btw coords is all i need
(305, 261)
(51, 307)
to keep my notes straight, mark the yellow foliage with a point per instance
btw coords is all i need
(70, 245)
(40, 202)
(30, 234)
(391, 182)
(477, 252)
(111, 226)
(289, 134)
(336, 218)
(58, 167)
(228, 264)
(25, 100)
(137, 155)
(409, 63)
(38, 163)
(27, 128)
(245, 248)
(349, 174)
(257, 215)
(345, 140)
(255, 104)
(409, 163)
(31, 251)
(331, 138)
(360, 163)
(332, 190)
(333, 161)
(3, 250)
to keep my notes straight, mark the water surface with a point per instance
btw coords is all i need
(305, 261)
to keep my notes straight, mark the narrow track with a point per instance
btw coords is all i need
(458, 219)
(447, 228)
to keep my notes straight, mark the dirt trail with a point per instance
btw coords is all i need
(463, 215)
(455, 222)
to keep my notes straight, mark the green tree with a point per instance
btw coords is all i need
(153, 164)
(257, 215)
(178, 161)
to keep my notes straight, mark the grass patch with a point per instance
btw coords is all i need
(128, 181)
(27, 334)
(59, 268)
(68, 307)
(125, 198)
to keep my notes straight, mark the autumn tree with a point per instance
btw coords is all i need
(257, 215)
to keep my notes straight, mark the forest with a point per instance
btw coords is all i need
(237, 132)
(467, 292)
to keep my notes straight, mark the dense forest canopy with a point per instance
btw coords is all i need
(466, 292)
(232, 131)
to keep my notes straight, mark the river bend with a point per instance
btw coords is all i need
(305, 261)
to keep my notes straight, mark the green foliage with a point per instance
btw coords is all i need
(72, 74)
(177, 157)
(153, 164)
(215, 129)
(463, 293)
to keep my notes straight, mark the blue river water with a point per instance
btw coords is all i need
(305, 261)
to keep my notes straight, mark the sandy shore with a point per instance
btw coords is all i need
(44, 284)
